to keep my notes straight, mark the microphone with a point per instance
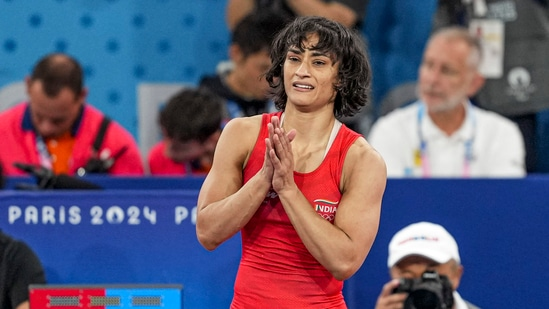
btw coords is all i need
(46, 179)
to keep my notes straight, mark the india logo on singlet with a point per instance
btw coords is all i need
(326, 209)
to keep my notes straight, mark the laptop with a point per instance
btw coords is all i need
(107, 296)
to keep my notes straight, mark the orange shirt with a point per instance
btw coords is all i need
(60, 150)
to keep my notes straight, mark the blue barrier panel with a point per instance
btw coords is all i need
(126, 236)
(120, 182)
(500, 227)
(148, 236)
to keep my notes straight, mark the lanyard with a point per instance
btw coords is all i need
(421, 157)
(43, 153)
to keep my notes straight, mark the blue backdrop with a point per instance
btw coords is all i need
(141, 233)
(120, 44)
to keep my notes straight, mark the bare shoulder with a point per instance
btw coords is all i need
(363, 162)
(244, 123)
(238, 138)
(243, 129)
(362, 152)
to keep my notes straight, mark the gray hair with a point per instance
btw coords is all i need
(463, 34)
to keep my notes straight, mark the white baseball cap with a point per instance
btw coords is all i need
(426, 239)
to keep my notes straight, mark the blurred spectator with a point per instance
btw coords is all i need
(515, 40)
(191, 125)
(19, 267)
(57, 129)
(243, 86)
(418, 248)
(348, 12)
(443, 134)
(397, 31)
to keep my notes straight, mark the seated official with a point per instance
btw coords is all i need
(443, 134)
(57, 130)
(191, 125)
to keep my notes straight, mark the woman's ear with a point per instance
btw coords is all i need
(235, 53)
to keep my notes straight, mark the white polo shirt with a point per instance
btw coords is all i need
(486, 145)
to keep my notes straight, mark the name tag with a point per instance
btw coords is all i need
(490, 32)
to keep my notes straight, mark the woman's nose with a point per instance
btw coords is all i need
(302, 70)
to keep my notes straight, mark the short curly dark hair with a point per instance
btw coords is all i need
(192, 114)
(256, 32)
(348, 49)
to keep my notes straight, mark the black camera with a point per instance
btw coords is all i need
(431, 291)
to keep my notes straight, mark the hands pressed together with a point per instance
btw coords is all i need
(279, 160)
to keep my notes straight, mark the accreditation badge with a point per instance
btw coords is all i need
(490, 32)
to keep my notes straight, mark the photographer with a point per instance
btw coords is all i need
(416, 249)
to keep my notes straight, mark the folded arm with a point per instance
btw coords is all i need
(224, 204)
(343, 246)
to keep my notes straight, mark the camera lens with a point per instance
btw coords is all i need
(422, 299)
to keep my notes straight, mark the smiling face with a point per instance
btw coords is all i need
(310, 75)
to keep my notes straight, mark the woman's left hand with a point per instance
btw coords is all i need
(279, 150)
